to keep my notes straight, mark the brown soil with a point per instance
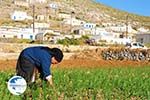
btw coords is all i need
(84, 59)
(84, 63)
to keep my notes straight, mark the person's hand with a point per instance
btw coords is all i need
(50, 81)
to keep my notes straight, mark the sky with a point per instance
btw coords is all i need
(140, 7)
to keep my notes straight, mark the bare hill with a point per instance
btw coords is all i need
(87, 10)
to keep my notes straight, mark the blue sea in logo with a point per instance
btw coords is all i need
(15, 79)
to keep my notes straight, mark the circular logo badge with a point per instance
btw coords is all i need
(17, 85)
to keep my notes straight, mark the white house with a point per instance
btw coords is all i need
(30, 36)
(53, 5)
(142, 29)
(47, 35)
(109, 37)
(53, 32)
(99, 30)
(40, 25)
(85, 30)
(122, 28)
(21, 3)
(108, 24)
(88, 29)
(20, 33)
(38, 1)
(64, 16)
(40, 17)
(89, 25)
(29, 30)
(73, 22)
(20, 16)
(112, 38)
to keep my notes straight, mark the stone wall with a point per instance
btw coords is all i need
(126, 54)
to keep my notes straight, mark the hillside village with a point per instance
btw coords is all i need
(46, 20)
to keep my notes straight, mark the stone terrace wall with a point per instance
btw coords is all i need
(126, 54)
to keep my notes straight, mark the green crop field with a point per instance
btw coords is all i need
(86, 84)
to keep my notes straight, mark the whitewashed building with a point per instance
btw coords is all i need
(99, 30)
(53, 5)
(122, 28)
(40, 25)
(88, 29)
(64, 16)
(49, 35)
(40, 17)
(20, 33)
(89, 26)
(36, 1)
(21, 3)
(111, 38)
(142, 29)
(20, 16)
(73, 22)
(12, 34)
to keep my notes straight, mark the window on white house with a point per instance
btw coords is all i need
(31, 37)
(21, 36)
(4, 36)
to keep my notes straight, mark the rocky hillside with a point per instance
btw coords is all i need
(87, 10)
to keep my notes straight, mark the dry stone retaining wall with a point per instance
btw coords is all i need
(126, 54)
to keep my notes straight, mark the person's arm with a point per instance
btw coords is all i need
(45, 64)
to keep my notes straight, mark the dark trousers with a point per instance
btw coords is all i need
(25, 68)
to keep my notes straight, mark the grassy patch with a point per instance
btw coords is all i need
(81, 84)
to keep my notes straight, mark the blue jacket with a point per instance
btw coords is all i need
(41, 58)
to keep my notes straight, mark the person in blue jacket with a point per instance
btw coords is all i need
(38, 58)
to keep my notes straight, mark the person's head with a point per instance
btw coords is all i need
(57, 55)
